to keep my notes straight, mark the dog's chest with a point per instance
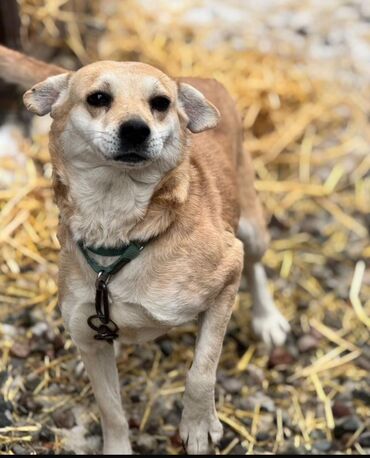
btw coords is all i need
(107, 207)
(147, 298)
(142, 299)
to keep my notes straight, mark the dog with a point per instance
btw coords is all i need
(147, 161)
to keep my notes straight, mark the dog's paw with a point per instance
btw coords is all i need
(195, 433)
(272, 329)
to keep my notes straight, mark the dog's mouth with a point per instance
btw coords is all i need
(130, 158)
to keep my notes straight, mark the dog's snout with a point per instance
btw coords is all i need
(134, 132)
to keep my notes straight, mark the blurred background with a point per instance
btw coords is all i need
(299, 71)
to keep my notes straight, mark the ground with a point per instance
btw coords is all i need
(298, 71)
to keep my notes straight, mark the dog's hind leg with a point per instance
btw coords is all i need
(199, 421)
(267, 321)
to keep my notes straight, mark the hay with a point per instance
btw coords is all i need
(309, 139)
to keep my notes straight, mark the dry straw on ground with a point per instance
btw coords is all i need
(310, 143)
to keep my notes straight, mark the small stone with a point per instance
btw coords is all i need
(322, 445)
(307, 343)
(362, 395)
(166, 347)
(318, 434)
(173, 417)
(238, 450)
(5, 405)
(280, 357)
(27, 404)
(364, 440)
(64, 419)
(27, 319)
(135, 397)
(345, 426)
(95, 429)
(58, 342)
(39, 329)
(330, 320)
(32, 381)
(363, 362)
(341, 410)
(232, 385)
(262, 436)
(20, 350)
(247, 421)
(52, 390)
(8, 330)
(226, 439)
(5, 419)
(146, 443)
(260, 399)
(291, 450)
(44, 348)
(19, 450)
(315, 333)
(256, 374)
(153, 426)
(46, 435)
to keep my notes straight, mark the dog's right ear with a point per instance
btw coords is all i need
(41, 98)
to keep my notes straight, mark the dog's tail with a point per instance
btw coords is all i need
(25, 71)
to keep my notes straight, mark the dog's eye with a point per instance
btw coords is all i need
(99, 99)
(160, 103)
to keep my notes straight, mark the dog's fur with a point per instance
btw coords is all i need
(190, 200)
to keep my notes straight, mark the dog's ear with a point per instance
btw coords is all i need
(41, 98)
(201, 113)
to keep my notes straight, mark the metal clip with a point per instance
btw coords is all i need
(107, 328)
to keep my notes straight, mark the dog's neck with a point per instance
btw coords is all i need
(107, 206)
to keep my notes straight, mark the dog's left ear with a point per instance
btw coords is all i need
(201, 113)
(41, 98)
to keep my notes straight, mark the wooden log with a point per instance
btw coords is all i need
(10, 24)
(10, 37)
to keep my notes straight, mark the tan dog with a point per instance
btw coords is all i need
(127, 167)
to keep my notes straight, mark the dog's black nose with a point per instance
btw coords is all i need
(134, 132)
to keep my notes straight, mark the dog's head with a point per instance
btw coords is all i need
(123, 114)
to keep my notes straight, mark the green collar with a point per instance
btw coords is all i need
(125, 254)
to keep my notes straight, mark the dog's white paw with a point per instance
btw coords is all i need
(272, 329)
(195, 433)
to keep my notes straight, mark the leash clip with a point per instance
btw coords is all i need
(106, 329)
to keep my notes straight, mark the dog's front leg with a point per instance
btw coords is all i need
(100, 364)
(199, 418)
